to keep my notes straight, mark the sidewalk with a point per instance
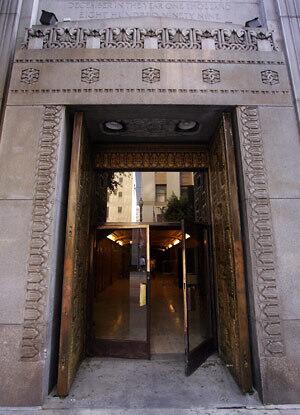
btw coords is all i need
(262, 410)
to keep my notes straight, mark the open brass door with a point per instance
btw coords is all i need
(121, 311)
(233, 336)
(76, 263)
(197, 290)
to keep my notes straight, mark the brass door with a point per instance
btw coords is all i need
(233, 336)
(76, 263)
(197, 290)
(121, 309)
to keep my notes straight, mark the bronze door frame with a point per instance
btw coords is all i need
(189, 157)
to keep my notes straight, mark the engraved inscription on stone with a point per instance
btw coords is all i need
(270, 77)
(90, 75)
(211, 76)
(151, 75)
(201, 10)
(30, 75)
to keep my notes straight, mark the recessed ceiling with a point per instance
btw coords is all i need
(155, 123)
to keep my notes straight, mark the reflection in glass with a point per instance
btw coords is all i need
(167, 196)
(120, 270)
(198, 291)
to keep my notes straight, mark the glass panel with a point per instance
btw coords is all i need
(120, 311)
(168, 196)
(198, 291)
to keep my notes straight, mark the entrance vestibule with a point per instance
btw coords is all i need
(121, 301)
(160, 275)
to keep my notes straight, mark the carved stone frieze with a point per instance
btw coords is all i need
(262, 249)
(167, 38)
(39, 249)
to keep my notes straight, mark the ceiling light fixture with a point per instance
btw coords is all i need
(114, 126)
(187, 126)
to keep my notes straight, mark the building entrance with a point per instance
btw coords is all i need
(163, 271)
(153, 253)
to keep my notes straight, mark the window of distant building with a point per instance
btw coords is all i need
(161, 193)
(120, 194)
(119, 209)
(184, 191)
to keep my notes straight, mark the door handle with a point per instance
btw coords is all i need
(143, 294)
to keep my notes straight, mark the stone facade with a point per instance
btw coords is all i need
(145, 55)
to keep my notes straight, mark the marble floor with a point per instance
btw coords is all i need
(166, 316)
(116, 318)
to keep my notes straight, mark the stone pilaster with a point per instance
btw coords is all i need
(9, 19)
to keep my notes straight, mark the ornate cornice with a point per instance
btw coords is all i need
(165, 38)
(262, 248)
(39, 248)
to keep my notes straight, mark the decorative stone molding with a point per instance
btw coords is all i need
(270, 77)
(39, 251)
(90, 75)
(262, 249)
(151, 75)
(165, 38)
(30, 75)
(211, 76)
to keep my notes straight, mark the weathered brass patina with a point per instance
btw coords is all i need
(232, 321)
(73, 316)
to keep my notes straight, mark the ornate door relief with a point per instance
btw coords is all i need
(233, 336)
(120, 157)
(76, 264)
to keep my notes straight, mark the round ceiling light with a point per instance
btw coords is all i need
(114, 126)
(187, 126)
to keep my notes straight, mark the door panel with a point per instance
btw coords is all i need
(197, 280)
(233, 334)
(77, 246)
(122, 304)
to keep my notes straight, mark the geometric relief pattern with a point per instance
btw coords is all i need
(30, 75)
(270, 77)
(133, 157)
(167, 38)
(261, 234)
(42, 214)
(90, 75)
(211, 76)
(224, 269)
(151, 75)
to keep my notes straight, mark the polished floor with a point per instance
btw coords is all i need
(166, 316)
(117, 317)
